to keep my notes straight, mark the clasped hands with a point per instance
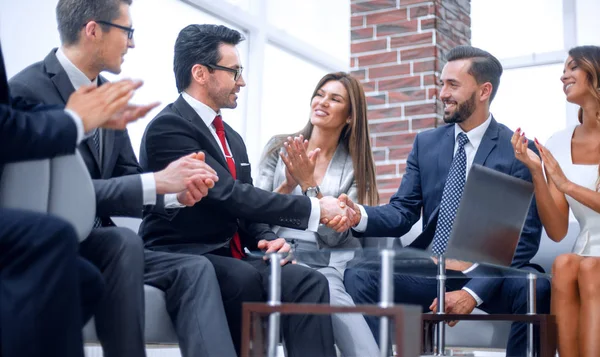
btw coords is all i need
(339, 214)
(190, 177)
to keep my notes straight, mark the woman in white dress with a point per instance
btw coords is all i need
(335, 158)
(570, 160)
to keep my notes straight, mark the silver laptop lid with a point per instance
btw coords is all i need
(490, 217)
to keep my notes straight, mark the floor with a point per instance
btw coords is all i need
(96, 351)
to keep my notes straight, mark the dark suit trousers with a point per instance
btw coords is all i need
(119, 254)
(248, 281)
(40, 305)
(363, 286)
(193, 302)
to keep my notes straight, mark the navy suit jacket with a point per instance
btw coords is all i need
(32, 134)
(421, 189)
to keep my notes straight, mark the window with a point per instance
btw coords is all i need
(512, 28)
(324, 24)
(152, 58)
(286, 95)
(531, 98)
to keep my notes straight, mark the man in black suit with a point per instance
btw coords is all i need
(208, 74)
(41, 311)
(95, 35)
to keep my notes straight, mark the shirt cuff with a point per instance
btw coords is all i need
(470, 269)
(472, 293)
(315, 215)
(78, 124)
(364, 218)
(171, 201)
(149, 188)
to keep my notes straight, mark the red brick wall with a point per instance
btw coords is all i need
(397, 49)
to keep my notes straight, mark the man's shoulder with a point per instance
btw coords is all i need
(31, 74)
(504, 131)
(435, 133)
(167, 116)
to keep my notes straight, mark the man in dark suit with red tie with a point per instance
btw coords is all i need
(234, 214)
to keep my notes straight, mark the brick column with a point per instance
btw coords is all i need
(397, 52)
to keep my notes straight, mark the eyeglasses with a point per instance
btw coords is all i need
(237, 72)
(128, 29)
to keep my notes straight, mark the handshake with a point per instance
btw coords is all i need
(339, 214)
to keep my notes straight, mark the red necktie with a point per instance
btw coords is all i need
(236, 243)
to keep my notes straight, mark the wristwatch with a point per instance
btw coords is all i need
(312, 191)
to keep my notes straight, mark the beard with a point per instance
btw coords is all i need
(462, 112)
(221, 96)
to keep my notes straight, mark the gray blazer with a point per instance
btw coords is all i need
(338, 179)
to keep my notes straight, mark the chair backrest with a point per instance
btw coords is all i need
(61, 186)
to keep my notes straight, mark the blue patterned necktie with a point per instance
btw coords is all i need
(96, 142)
(453, 190)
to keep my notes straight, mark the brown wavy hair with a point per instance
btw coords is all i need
(588, 59)
(354, 137)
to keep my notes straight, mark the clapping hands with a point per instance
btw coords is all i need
(534, 162)
(553, 169)
(529, 158)
(299, 162)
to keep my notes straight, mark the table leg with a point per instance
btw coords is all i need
(274, 300)
(441, 296)
(387, 298)
(531, 310)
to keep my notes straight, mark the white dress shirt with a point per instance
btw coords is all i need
(207, 114)
(79, 79)
(475, 136)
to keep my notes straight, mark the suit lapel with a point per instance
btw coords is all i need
(108, 144)
(238, 150)
(59, 76)
(488, 143)
(190, 114)
(446, 152)
(65, 88)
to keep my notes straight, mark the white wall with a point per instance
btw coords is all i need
(27, 35)
(530, 94)
(280, 75)
(27, 39)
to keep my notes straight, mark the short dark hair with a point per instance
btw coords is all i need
(199, 44)
(484, 66)
(72, 15)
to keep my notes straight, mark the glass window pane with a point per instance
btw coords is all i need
(324, 24)
(285, 108)
(532, 98)
(511, 28)
(588, 26)
(152, 58)
(242, 4)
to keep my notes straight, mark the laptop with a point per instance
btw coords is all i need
(490, 217)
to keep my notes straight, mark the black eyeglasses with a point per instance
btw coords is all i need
(128, 29)
(237, 72)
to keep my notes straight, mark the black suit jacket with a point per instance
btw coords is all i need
(231, 205)
(117, 182)
(33, 134)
